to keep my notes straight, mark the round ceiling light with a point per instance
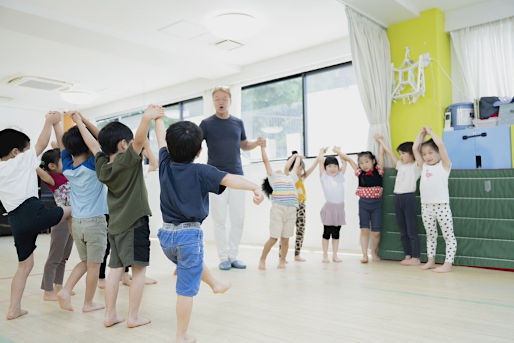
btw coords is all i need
(234, 26)
(78, 97)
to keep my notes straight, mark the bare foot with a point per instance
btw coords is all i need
(376, 259)
(57, 289)
(262, 265)
(299, 259)
(50, 295)
(429, 265)
(126, 279)
(101, 283)
(149, 281)
(186, 339)
(108, 322)
(64, 299)
(364, 259)
(281, 265)
(139, 321)
(325, 259)
(220, 287)
(337, 259)
(92, 307)
(13, 314)
(445, 268)
(414, 262)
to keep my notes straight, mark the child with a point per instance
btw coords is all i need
(61, 241)
(27, 215)
(405, 200)
(436, 165)
(120, 167)
(370, 172)
(281, 187)
(88, 209)
(185, 188)
(302, 174)
(332, 213)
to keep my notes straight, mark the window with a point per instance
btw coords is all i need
(306, 112)
(274, 110)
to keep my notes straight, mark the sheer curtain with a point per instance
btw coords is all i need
(483, 60)
(371, 59)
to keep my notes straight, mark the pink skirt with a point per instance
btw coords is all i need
(333, 214)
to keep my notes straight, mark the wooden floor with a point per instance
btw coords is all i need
(307, 302)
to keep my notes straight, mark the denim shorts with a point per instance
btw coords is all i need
(370, 214)
(183, 245)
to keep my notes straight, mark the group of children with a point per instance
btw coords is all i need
(97, 180)
(426, 159)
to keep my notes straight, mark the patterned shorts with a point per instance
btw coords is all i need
(62, 195)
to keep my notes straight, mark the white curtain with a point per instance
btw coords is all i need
(483, 60)
(371, 59)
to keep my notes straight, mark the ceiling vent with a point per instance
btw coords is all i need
(228, 44)
(39, 83)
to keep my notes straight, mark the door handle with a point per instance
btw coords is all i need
(483, 134)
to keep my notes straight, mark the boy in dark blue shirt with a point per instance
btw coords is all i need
(185, 188)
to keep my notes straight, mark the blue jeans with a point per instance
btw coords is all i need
(183, 245)
(370, 214)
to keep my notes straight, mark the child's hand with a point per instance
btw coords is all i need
(336, 149)
(53, 117)
(54, 145)
(428, 130)
(154, 112)
(258, 197)
(378, 137)
(76, 117)
(261, 141)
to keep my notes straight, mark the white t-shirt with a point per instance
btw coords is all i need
(19, 179)
(408, 175)
(333, 187)
(434, 184)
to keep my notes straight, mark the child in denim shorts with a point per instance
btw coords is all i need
(185, 188)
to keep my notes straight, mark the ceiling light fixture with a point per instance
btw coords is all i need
(235, 26)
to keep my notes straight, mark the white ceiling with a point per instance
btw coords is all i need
(115, 47)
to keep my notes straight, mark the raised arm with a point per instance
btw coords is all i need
(153, 112)
(442, 149)
(87, 136)
(344, 163)
(148, 153)
(265, 160)
(380, 140)
(348, 159)
(59, 132)
(160, 133)
(296, 165)
(51, 118)
(239, 182)
(90, 126)
(45, 177)
(321, 160)
(311, 168)
(415, 147)
(289, 163)
(381, 155)
(250, 145)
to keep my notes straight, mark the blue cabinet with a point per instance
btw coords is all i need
(487, 148)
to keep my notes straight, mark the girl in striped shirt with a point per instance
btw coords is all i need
(279, 186)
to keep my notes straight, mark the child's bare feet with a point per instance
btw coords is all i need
(221, 287)
(262, 265)
(281, 265)
(186, 339)
(336, 259)
(139, 321)
(101, 283)
(108, 322)
(325, 259)
(429, 265)
(126, 279)
(298, 258)
(364, 259)
(376, 258)
(406, 261)
(92, 307)
(13, 314)
(150, 281)
(50, 295)
(445, 268)
(414, 262)
(64, 299)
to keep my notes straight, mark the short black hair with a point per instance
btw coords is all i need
(405, 147)
(367, 154)
(50, 156)
(330, 160)
(74, 143)
(12, 139)
(112, 134)
(430, 143)
(184, 141)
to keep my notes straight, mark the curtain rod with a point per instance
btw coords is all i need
(376, 21)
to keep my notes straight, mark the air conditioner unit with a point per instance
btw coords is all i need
(39, 83)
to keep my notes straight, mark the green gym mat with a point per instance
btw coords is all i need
(482, 204)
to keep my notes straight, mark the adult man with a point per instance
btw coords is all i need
(225, 136)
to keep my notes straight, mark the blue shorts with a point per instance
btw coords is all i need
(370, 214)
(183, 245)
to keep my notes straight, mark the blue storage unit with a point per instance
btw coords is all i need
(461, 113)
(486, 148)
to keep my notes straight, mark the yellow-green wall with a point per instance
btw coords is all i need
(423, 34)
(512, 143)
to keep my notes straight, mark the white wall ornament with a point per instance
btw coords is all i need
(409, 78)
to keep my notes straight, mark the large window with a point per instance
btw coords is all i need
(306, 112)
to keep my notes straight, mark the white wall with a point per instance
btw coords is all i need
(28, 120)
